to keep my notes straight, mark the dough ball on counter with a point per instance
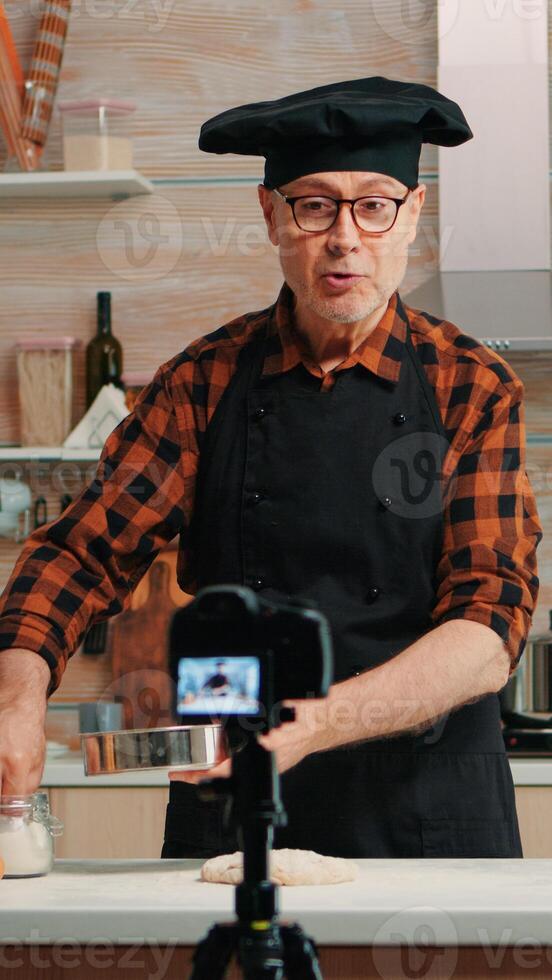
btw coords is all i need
(287, 867)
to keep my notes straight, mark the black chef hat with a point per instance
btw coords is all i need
(375, 124)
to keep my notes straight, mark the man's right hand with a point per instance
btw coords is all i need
(24, 680)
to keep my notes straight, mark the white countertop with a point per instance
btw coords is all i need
(455, 902)
(68, 770)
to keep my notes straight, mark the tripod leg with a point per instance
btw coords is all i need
(300, 954)
(213, 954)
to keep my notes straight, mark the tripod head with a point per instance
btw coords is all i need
(235, 657)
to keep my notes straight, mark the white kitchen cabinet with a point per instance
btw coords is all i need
(534, 807)
(118, 822)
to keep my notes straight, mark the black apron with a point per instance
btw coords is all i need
(334, 496)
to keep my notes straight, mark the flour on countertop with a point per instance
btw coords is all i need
(288, 866)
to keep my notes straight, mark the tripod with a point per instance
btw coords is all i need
(265, 949)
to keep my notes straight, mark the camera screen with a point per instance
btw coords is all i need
(218, 686)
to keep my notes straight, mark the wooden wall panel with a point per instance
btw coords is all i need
(186, 61)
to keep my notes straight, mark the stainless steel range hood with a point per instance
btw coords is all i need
(494, 280)
(507, 310)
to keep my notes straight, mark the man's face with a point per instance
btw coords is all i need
(306, 258)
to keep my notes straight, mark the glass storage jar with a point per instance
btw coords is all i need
(27, 830)
(45, 371)
(97, 134)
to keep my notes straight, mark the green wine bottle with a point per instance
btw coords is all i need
(104, 354)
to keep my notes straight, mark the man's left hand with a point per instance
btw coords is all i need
(291, 742)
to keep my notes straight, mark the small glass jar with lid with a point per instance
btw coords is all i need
(96, 134)
(27, 830)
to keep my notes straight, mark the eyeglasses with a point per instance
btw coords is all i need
(375, 214)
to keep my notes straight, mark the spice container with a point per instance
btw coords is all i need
(27, 830)
(45, 369)
(96, 134)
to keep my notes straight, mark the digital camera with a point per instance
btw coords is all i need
(234, 655)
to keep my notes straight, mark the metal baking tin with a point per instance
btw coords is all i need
(135, 749)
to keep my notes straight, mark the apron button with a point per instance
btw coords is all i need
(373, 593)
(258, 583)
(260, 413)
(386, 501)
(256, 497)
(399, 418)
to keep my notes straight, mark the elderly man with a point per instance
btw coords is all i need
(337, 447)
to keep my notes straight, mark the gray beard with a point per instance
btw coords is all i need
(329, 308)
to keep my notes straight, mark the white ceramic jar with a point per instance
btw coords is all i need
(27, 830)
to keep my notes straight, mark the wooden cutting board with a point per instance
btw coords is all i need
(138, 643)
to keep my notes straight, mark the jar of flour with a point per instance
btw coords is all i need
(27, 830)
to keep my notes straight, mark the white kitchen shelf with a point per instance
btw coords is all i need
(75, 183)
(33, 453)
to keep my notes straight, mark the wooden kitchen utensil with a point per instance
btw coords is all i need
(138, 641)
(12, 91)
(44, 71)
(26, 104)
